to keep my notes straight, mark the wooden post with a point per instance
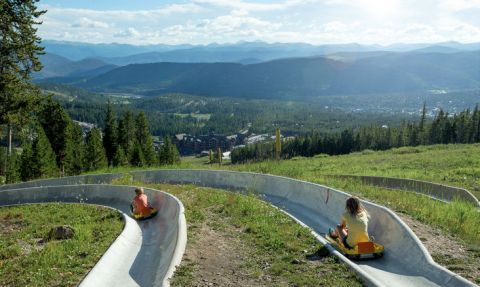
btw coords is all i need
(219, 151)
(278, 144)
(9, 141)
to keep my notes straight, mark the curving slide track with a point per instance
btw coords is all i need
(146, 252)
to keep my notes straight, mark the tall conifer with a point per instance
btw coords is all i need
(12, 174)
(138, 159)
(126, 134)
(120, 159)
(110, 134)
(20, 47)
(75, 150)
(44, 163)
(95, 157)
(55, 122)
(26, 167)
(144, 139)
(168, 153)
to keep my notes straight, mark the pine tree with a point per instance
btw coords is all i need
(12, 173)
(74, 151)
(20, 48)
(138, 158)
(145, 140)
(174, 154)
(120, 159)
(26, 168)
(110, 134)
(421, 127)
(44, 162)
(168, 153)
(127, 134)
(163, 152)
(219, 155)
(473, 125)
(55, 122)
(95, 157)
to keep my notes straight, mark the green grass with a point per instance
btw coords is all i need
(271, 236)
(27, 261)
(456, 165)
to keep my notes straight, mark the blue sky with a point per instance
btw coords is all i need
(226, 21)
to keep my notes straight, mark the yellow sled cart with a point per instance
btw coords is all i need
(363, 250)
(153, 212)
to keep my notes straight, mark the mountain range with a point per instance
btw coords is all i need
(273, 71)
(55, 66)
(298, 78)
(241, 52)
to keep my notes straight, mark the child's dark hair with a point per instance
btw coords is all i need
(354, 206)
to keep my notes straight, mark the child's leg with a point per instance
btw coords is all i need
(341, 231)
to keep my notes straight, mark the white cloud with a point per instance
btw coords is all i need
(128, 33)
(85, 22)
(226, 28)
(252, 6)
(313, 21)
(459, 5)
(123, 14)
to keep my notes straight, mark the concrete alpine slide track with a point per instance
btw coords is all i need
(146, 253)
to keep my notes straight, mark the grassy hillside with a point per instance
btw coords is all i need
(457, 165)
(27, 258)
(454, 164)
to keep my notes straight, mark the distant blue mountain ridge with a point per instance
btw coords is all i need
(261, 70)
(241, 52)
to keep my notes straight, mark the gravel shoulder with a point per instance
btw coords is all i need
(447, 250)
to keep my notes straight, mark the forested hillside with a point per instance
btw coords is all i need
(169, 114)
(299, 78)
(444, 129)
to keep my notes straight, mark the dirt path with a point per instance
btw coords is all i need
(219, 260)
(447, 250)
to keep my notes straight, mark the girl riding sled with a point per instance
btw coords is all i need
(354, 224)
(140, 206)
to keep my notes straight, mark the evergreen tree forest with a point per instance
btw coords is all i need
(52, 145)
(19, 48)
(443, 129)
(42, 140)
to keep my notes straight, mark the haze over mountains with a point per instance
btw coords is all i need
(262, 70)
(241, 52)
(58, 66)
